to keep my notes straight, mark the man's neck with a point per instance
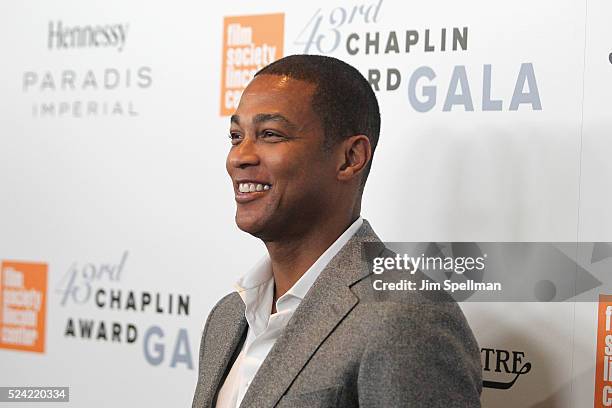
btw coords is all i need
(290, 259)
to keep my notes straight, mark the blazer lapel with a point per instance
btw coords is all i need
(221, 341)
(327, 302)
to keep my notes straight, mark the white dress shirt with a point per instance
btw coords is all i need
(256, 288)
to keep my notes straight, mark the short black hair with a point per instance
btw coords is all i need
(343, 99)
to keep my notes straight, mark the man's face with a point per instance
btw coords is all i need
(283, 180)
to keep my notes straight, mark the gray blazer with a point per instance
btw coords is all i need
(348, 345)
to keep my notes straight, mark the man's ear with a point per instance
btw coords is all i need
(354, 155)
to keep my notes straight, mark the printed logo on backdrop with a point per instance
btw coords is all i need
(502, 368)
(23, 299)
(96, 288)
(338, 30)
(63, 37)
(603, 353)
(249, 44)
(86, 91)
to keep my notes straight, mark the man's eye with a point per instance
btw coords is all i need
(235, 137)
(268, 134)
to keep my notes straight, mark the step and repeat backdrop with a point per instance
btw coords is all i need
(116, 214)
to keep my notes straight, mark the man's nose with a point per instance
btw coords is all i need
(244, 154)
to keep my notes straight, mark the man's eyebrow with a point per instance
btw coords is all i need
(273, 117)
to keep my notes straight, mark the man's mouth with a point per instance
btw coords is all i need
(253, 187)
(251, 190)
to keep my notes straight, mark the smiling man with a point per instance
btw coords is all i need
(304, 327)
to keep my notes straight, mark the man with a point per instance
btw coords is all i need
(305, 328)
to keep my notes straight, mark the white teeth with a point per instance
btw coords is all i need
(252, 187)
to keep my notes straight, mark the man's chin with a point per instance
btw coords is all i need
(250, 225)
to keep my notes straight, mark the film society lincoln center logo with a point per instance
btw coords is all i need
(603, 360)
(23, 293)
(249, 44)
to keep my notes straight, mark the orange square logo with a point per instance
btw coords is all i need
(603, 362)
(249, 44)
(23, 299)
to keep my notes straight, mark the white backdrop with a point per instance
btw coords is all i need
(113, 174)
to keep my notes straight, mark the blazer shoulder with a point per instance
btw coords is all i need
(227, 304)
(394, 315)
(231, 300)
(400, 319)
(435, 341)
